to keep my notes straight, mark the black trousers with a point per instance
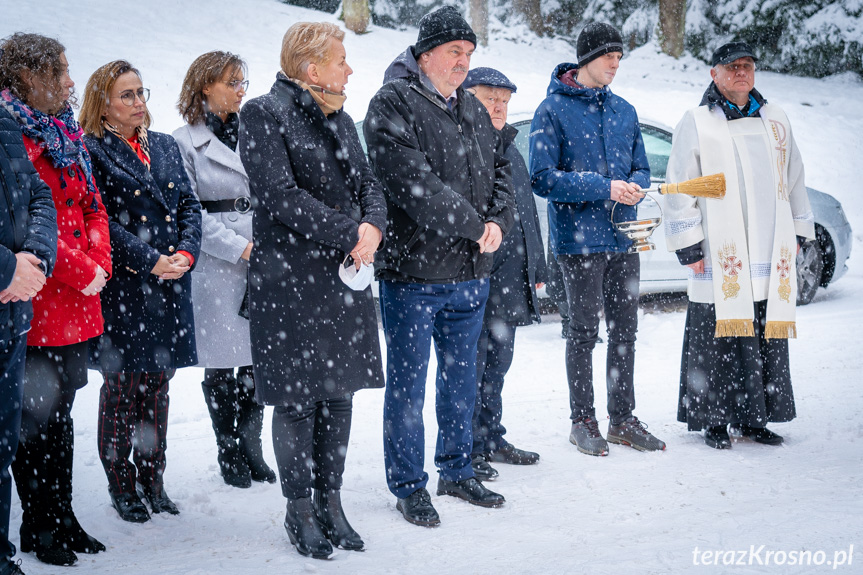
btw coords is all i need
(495, 350)
(43, 462)
(11, 384)
(595, 283)
(311, 443)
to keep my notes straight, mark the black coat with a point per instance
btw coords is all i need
(442, 176)
(312, 337)
(28, 222)
(149, 323)
(519, 263)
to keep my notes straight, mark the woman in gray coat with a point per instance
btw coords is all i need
(209, 102)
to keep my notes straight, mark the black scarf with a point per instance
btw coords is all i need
(226, 131)
(713, 97)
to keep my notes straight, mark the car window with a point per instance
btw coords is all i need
(657, 144)
(521, 140)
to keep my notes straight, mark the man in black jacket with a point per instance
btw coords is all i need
(449, 202)
(28, 249)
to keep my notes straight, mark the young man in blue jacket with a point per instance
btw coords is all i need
(28, 248)
(586, 153)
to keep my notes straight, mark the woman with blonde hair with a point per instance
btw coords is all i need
(210, 99)
(155, 223)
(314, 338)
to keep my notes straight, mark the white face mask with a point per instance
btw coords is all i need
(356, 279)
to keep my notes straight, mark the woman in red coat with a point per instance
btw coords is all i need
(37, 90)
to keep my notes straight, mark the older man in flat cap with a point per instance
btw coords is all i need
(741, 254)
(519, 269)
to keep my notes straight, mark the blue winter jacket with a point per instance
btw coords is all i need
(581, 140)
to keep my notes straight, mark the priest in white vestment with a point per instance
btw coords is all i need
(741, 252)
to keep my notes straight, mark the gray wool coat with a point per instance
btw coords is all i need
(219, 279)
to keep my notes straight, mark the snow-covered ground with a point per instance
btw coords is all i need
(626, 513)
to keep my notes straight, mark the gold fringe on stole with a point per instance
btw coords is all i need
(780, 330)
(734, 328)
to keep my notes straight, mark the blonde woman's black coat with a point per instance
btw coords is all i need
(312, 337)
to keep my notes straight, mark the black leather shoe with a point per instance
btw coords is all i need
(717, 437)
(130, 507)
(47, 546)
(334, 524)
(508, 453)
(482, 470)
(417, 508)
(304, 531)
(471, 491)
(158, 500)
(760, 435)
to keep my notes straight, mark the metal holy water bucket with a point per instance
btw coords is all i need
(639, 230)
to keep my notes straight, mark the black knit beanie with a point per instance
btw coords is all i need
(597, 39)
(441, 26)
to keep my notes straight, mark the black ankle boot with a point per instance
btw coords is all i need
(250, 422)
(221, 402)
(334, 524)
(304, 531)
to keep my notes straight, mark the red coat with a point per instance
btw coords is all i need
(62, 315)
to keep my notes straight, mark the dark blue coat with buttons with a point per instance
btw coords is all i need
(149, 323)
(580, 140)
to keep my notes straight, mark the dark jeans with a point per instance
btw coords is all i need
(595, 282)
(414, 315)
(494, 353)
(12, 354)
(43, 462)
(311, 443)
(133, 414)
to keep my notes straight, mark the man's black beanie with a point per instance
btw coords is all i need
(441, 26)
(596, 39)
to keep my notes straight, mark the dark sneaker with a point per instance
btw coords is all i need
(512, 455)
(417, 508)
(717, 437)
(633, 433)
(482, 470)
(471, 491)
(760, 435)
(586, 437)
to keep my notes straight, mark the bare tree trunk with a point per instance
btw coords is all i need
(479, 20)
(532, 13)
(356, 13)
(672, 26)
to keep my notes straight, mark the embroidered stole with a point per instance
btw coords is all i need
(730, 238)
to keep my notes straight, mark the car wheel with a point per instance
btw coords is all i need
(810, 268)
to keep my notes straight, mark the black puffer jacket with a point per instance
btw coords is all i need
(442, 177)
(28, 222)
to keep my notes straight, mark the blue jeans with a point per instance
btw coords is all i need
(414, 314)
(11, 399)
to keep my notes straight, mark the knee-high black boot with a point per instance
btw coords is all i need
(34, 473)
(71, 531)
(250, 422)
(221, 399)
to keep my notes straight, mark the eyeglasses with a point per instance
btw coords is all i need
(746, 67)
(128, 97)
(237, 85)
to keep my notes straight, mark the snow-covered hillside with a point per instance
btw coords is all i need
(627, 513)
